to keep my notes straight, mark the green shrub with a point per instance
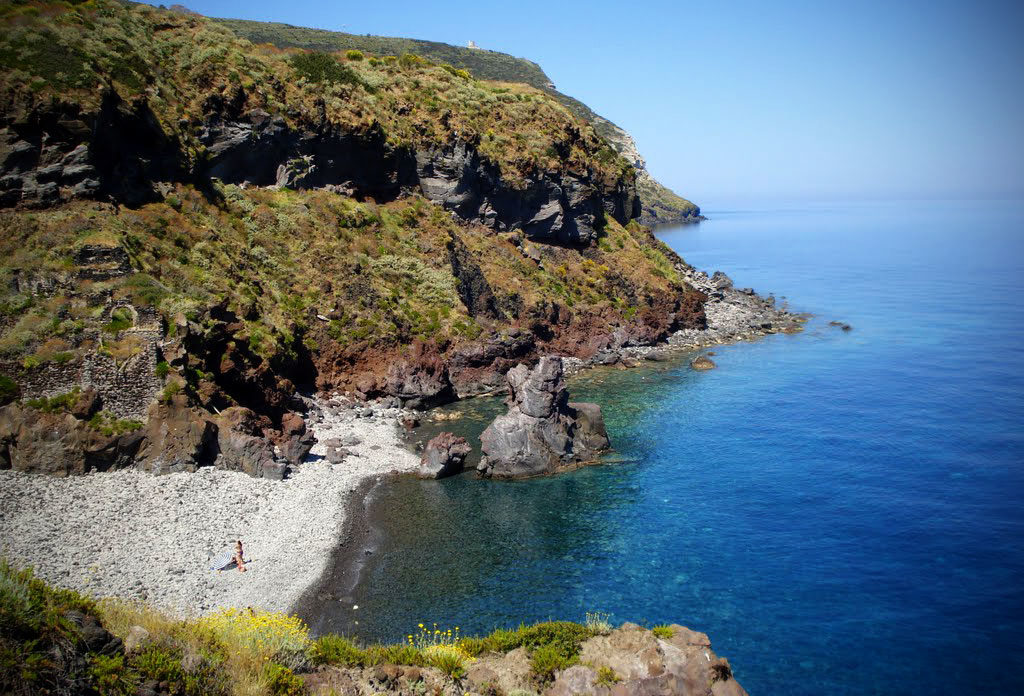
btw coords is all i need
(354, 55)
(38, 639)
(546, 660)
(663, 631)
(53, 404)
(606, 676)
(564, 636)
(283, 682)
(111, 677)
(448, 659)
(170, 391)
(160, 664)
(31, 362)
(9, 390)
(411, 60)
(162, 369)
(464, 74)
(393, 654)
(320, 67)
(107, 424)
(336, 650)
(120, 319)
(598, 622)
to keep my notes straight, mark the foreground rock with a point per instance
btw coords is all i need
(542, 432)
(444, 456)
(626, 661)
(646, 664)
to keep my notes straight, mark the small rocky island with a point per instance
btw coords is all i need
(543, 432)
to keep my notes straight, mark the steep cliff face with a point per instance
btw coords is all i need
(58, 152)
(658, 203)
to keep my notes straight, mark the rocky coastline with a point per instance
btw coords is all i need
(113, 519)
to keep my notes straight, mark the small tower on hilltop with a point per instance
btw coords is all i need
(472, 44)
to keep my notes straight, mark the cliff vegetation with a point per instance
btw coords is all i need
(659, 204)
(58, 641)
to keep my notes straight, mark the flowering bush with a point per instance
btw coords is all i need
(265, 634)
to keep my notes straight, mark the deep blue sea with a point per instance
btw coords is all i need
(842, 513)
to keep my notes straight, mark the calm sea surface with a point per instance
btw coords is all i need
(842, 513)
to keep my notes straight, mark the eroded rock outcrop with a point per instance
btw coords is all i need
(242, 447)
(178, 437)
(644, 663)
(444, 456)
(61, 444)
(542, 432)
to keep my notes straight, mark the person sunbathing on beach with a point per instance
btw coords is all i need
(238, 556)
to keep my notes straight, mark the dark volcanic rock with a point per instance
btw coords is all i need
(120, 152)
(419, 380)
(542, 432)
(241, 448)
(444, 456)
(178, 438)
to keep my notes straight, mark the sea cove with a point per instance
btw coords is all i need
(841, 511)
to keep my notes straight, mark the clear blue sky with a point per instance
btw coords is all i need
(742, 100)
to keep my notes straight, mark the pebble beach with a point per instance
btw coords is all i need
(135, 535)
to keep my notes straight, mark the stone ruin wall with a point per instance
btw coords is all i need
(126, 390)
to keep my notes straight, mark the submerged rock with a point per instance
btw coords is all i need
(702, 362)
(542, 432)
(444, 456)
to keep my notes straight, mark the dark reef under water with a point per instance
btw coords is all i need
(841, 512)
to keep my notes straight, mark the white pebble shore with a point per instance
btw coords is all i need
(134, 535)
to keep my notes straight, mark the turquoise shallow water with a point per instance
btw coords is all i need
(840, 512)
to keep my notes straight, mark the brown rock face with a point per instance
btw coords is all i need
(646, 664)
(241, 446)
(60, 444)
(702, 362)
(542, 432)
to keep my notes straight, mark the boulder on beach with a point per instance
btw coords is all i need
(702, 362)
(444, 456)
(542, 432)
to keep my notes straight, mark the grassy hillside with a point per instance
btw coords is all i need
(484, 65)
(315, 278)
(382, 270)
(178, 63)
